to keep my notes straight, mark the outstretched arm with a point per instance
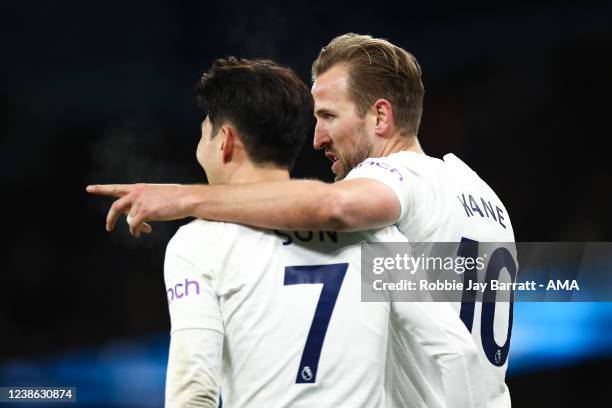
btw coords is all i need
(350, 205)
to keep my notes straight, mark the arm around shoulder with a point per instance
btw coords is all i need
(351, 205)
(363, 204)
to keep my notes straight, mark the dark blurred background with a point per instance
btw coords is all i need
(102, 92)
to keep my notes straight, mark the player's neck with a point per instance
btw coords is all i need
(400, 143)
(258, 174)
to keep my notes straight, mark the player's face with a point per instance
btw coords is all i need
(207, 153)
(340, 130)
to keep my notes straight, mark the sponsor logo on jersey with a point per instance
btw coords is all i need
(383, 166)
(182, 289)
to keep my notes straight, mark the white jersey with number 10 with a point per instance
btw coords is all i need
(446, 201)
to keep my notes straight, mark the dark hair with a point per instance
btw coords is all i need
(269, 105)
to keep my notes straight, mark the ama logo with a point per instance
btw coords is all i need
(562, 285)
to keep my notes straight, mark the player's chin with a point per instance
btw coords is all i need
(340, 172)
(340, 176)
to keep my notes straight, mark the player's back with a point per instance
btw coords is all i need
(455, 204)
(468, 211)
(446, 201)
(296, 333)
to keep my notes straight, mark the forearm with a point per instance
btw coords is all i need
(286, 205)
(354, 205)
(194, 367)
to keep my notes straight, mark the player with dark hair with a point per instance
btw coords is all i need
(274, 318)
(266, 103)
(368, 97)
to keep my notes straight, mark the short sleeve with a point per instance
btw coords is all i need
(190, 287)
(387, 172)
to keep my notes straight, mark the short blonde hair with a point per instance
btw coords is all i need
(377, 69)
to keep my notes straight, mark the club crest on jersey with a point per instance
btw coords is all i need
(306, 374)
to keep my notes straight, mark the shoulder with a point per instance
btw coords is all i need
(468, 176)
(417, 163)
(388, 167)
(400, 166)
(195, 230)
(205, 241)
(196, 249)
(199, 235)
(200, 227)
(460, 169)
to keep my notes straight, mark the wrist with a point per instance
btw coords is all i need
(190, 199)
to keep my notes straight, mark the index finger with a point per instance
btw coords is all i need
(111, 190)
(119, 207)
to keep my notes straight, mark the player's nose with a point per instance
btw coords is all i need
(321, 137)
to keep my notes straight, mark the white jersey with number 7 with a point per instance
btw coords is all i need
(288, 307)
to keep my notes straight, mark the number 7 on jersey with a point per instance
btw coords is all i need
(331, 276)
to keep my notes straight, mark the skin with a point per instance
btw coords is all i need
(340, 132)
(225, 160)
(347, 205)
(244, 193)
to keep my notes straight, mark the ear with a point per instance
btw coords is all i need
(384, 117)
(227, 146)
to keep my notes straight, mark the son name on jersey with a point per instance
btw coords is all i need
(307, 236)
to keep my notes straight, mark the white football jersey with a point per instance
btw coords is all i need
(288, 304)
(446, 201)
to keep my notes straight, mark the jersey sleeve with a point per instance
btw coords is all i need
(194, 369)
(191, 268)
(390, 174)
(190, 274)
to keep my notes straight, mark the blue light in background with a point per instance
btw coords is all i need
(127, 373)
(131, 373)
(547, 335)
